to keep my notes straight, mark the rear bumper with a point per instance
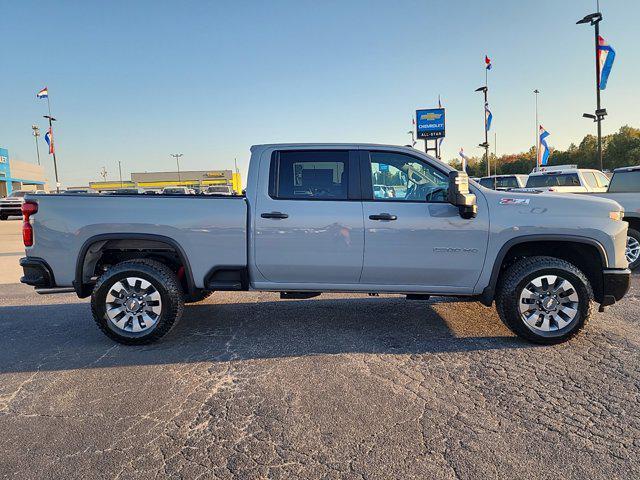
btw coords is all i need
(37, 273)
(615, 285)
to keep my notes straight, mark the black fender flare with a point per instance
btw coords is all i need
(488, 293)
(81, 287)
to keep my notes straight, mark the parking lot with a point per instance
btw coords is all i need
(343, 386)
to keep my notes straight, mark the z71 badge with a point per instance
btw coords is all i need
(514, 201)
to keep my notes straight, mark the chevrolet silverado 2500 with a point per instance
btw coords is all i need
(310, 223)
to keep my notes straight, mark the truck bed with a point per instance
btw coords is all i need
(210, 230)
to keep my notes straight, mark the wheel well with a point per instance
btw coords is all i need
(585, 256)
(634, 222)
(97, 256)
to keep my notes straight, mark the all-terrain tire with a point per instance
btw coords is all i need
(519, 275)
(197, 296)
(163, 280)
(633, 233)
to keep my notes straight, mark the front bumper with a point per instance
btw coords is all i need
(615, 285)
(37, 273)
(11, 210)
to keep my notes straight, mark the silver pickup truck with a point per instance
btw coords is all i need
(311, 222)
(624, 188)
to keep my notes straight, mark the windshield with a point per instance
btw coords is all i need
(18, 194)
(554, 180)
(218, 189)
(625, 182)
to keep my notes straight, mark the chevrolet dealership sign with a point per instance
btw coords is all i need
(430, 123)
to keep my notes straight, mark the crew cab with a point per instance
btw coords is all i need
(12, 205)
(311, 223)
(625, 189)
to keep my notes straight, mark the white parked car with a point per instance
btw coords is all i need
(12, 205)
(177, 191)
(567, 179)
(219, 190)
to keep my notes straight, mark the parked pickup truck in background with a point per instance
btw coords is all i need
(625, 189)
(567, 179)
(12, 205)
(310, 223)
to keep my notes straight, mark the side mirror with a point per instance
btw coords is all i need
(459, 195)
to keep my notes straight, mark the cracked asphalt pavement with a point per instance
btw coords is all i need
(339, 387)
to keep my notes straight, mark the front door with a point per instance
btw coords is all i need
(308, 226)
(413, 236)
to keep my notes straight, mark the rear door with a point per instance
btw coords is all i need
(413, 236)
(308, 225)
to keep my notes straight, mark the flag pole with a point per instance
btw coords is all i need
(53, 150)
(536, 133)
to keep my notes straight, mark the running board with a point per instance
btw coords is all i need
(47, 291)
(298, 295)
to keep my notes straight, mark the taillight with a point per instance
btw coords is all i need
(28, 209)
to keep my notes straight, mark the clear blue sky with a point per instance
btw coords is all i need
(136, 81)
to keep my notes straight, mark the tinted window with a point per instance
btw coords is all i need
(486, 182)
(590, 178)
(625, 182)
(310, 174)
(396, 176)
(554, 180)
(500, 182)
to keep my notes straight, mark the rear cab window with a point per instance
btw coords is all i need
(311, 175)
(554, 180)
(625, 182)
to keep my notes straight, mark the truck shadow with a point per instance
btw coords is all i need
(64, 337)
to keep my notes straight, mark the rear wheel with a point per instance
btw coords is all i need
(137, 301)
(544, 299)
(633, 248)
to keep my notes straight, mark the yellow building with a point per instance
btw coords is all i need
(197, 179)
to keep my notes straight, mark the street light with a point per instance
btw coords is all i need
(594, 20)
(177, 157)
(485, 144)
(53, 151)
(36, 134)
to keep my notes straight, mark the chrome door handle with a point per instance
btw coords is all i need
(383, 216)
(274, 215)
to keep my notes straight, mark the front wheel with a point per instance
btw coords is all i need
(633, 248)
(137, 301)
(544, 299)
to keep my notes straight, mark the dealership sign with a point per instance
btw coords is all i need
(430, 123)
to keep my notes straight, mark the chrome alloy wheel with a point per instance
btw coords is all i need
(133, 305)
(633, 249)
(548, 303)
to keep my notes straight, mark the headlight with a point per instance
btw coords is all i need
(617, 215)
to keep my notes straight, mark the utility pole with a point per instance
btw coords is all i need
(36, 134)
(594, 20)
(177, 157)
(120, 172)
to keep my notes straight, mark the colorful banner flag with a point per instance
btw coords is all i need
(488, 117)
(606, 56)
(543, 151)
(48, 137)
(487, 62)
(44, 93)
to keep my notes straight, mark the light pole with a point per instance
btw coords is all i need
(485, 145)
(103, 174)
(535, 130)
(177, 157)
(36, 134)
(120, 172)
(52, 149)
(594, 20)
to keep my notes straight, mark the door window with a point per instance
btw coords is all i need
(310, 174)
(603, 180)
(590, 178)
(400, 177)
